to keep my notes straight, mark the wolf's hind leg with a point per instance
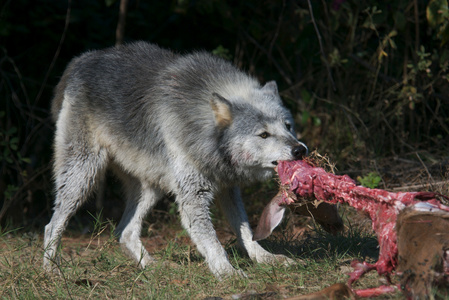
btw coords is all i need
(232, 206)
(77, 170)
(140, 200)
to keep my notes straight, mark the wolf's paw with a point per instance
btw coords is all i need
(239, 273)
(262, 256)
(226, 270)
(146, 260)
(277, 259)
(233, 273)
(284, 260)
(51, 267)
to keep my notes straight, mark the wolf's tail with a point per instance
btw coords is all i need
(59, 90)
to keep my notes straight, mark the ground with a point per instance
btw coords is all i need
(93, 265)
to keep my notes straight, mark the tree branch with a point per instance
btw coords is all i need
(120, 31)
(321, 47)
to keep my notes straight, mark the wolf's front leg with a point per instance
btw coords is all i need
(195, 217)
(232, 206)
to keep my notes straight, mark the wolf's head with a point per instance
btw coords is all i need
(256, 130)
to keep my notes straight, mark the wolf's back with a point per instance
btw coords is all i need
(98, 69)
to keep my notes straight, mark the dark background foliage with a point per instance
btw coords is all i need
(364, 79)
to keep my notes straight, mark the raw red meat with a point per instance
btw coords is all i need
(300, 179)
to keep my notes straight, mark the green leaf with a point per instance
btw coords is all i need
(392, 43)
(11, 131)
(371, 180)
(26, 160)
(109, 3)
(433, 12)
(14, 140)
(443, 34)
(444, 57)
(305, 117)
(10, 191)
(305, 96)
(399, 20)
(222, 52)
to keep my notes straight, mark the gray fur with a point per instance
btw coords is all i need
(188, 125)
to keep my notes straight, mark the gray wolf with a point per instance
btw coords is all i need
(192, 126)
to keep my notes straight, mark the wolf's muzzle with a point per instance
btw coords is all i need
(299, 152)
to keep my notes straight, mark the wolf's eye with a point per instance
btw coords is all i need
(288, 126)
(264, 135)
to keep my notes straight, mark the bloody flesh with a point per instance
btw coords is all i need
(303, 180)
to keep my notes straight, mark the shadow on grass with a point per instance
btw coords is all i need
(352, 243)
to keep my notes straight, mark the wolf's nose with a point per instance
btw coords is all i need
(299, 152)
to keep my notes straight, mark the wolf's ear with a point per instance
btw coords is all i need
(222, 110)
(270, 87)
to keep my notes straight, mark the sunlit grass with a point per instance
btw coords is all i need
(94, 267)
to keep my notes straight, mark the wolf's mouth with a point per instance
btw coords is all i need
(274, 162)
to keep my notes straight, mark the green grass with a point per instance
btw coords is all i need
(94, 267)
